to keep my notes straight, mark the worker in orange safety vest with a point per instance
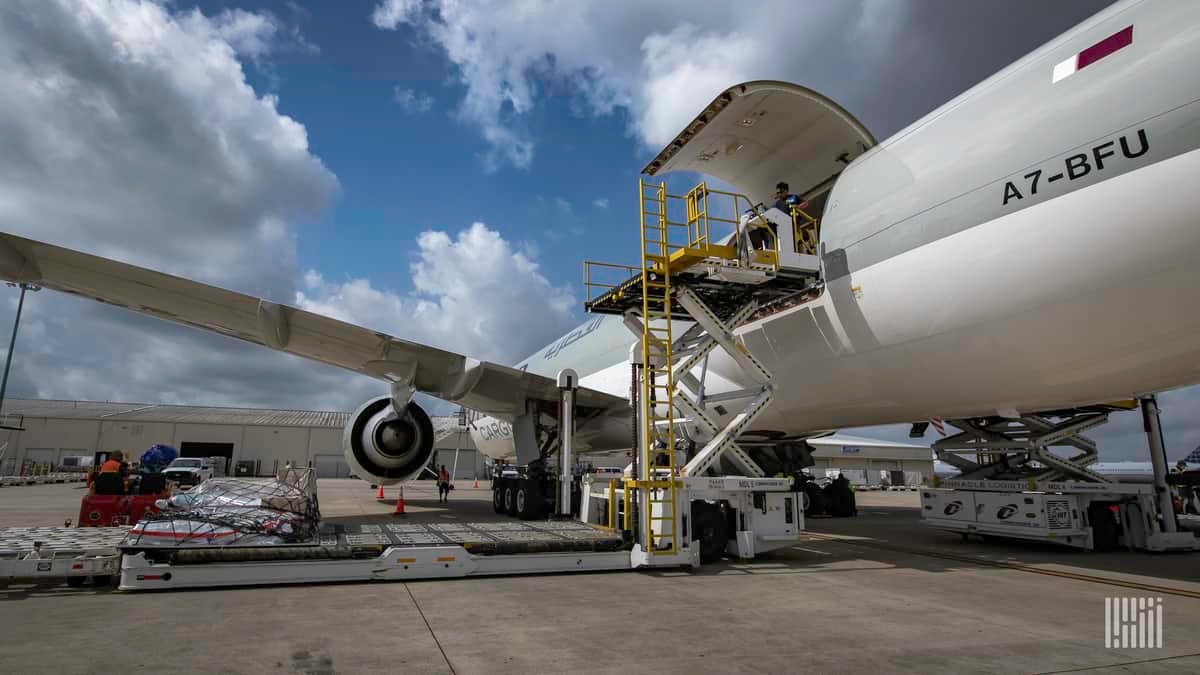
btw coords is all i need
(112, 464)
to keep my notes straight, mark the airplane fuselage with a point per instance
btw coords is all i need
(1033, 244)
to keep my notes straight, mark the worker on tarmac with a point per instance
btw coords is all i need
(443, 485)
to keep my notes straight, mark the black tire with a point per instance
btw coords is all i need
(75, 582)
(510, 498)
(709, 530)
(1106, 529)
(841, 501)
(817, 504)
(833, 500)
(528, 500)
(498, 499)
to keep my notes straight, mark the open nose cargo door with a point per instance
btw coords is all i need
(756, 134)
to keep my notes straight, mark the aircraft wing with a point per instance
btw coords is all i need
(478, 385)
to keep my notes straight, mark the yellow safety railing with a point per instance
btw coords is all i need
(682, 228)
(702, 207)
(594, 286)
(805, 230)
(701, 216)
(619, 518)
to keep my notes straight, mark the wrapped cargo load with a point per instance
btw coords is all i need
(235, 512)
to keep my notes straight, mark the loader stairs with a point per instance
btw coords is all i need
(685, 300)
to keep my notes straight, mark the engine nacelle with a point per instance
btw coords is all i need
(383, 447)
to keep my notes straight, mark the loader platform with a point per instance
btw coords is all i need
(353, 541)
(723, 297)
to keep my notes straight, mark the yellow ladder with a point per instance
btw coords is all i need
(658, 382)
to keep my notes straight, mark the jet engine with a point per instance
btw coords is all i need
(383, 447)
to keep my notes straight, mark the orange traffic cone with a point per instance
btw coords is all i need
(476, 484)
(399, 504)
(379, 495)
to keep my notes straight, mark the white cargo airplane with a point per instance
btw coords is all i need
(1032, 245)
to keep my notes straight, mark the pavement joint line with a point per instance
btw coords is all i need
(1020, 567)
(436, 641)
(1084, 669)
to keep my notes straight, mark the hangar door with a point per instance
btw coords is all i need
(331, 466)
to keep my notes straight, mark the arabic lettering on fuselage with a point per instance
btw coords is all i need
(572, 337)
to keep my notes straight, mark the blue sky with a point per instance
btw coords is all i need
(335, 155)
(402, 171)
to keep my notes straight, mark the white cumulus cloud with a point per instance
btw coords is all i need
(391, 13)
(414, 102)
(250, 34)
(888, 61)
(474, 293)
(130, 131)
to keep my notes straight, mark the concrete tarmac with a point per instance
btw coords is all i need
(877, 593)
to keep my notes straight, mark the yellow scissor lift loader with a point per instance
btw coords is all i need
(685, 300)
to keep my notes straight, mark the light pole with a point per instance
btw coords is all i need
(13, 342)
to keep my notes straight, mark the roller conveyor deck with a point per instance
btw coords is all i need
(349, 541)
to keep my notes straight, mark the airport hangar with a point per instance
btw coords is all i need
(260, 441)
(256, 441)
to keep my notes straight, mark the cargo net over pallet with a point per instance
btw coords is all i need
(235, 512)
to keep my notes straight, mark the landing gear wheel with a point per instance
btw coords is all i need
(709, 530)
(1106, 531)
(510, 498)
(498, 499)
(529, 500)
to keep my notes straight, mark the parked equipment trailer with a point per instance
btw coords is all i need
(1017, 487)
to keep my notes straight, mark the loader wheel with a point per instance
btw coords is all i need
(710, 530)
(529, 500)
(498, 499)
